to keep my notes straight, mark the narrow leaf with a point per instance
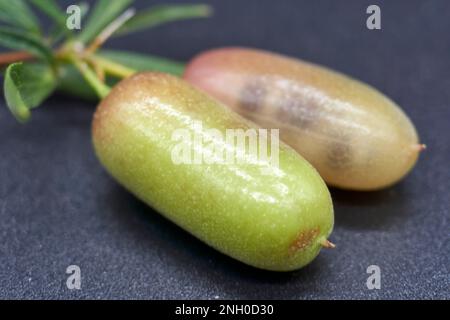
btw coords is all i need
(103, 13)
(72, 83)
(26, 86)
(52, 10)
(17, 13)
(84, 8)
(141, 62)
(18, 40)
(163, 14)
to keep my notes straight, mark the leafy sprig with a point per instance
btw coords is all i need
(71, 61)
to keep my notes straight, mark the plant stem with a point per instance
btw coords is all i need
(100, 88)
(99, 71)
(111, 67)
(14, 56)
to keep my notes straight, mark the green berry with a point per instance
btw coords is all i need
(273, 216)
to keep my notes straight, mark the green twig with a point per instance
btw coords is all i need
(110, 67)
(100, 88)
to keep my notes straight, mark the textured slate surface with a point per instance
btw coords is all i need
(58, 207)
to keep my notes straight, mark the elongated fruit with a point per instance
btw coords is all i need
(352, 134)
(269, 215)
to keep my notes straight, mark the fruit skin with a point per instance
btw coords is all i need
(273, 219)
(352, 134)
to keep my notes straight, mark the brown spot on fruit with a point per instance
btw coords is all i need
(252, 95)
(339, 151)
(303, 240)
(294, 110)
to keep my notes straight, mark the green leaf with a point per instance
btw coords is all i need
(103, 13)
(84, 8)
(26, 86)
(52, 10)
(17, 13)
(163, 14)
(18, 40)
(143, 62)
(72, 83)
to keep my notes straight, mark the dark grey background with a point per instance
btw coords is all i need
(59, 207)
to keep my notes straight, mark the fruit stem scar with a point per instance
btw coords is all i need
(326, 243)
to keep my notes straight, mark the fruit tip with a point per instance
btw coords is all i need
(327, 244)
(420, 147)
